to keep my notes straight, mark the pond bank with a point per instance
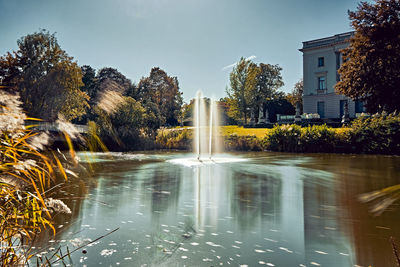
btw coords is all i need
(379, 134)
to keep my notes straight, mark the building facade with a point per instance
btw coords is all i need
(321, 61)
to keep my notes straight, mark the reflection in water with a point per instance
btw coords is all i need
(274, 210)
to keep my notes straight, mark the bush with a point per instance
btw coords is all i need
(317, 138)
(377, 134)
(243, 143)
(284, 138)
(174, 139)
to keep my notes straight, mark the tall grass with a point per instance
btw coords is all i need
(27, 176)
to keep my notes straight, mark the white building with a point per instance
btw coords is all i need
(321, 60)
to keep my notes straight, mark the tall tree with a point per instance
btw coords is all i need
(47, 79)
(89, 80)
(268, 81)
(114, 75)
(370, 71)
(252, 85)
(162, 90)
(240, 90)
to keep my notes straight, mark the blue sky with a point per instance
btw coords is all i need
(193, 40)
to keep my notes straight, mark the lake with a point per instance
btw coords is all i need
(250, 209)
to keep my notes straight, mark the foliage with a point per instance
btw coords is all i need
(243, 143)
(174, 138)
(252, 85)
(268, 81)
(284, 138)
(317, 138)
(377, 134)
(162, 90)
(370, 71)
(296, 96)
(26, 177)
(121, 125)
(278, 105)
(229, 113)
(111, 74)
(90, 81)
(242, 86)
(47, 79)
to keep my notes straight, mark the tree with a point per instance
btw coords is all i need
(268, 81)
(89, 80)
(47, 79)
(252, 85)
(296, 96)
(278, 104)
(114, 75)
(228, 111)
(242, 86)
(370, 71)
(128, 121)
(162, 90)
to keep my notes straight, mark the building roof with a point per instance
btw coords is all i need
(327, 41)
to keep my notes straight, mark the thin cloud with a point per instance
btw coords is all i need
(234, 64)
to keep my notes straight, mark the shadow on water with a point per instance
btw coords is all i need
(274, 208)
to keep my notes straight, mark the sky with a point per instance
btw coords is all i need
(198, 41)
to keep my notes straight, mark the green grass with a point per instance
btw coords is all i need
(241, 131)
(258, 132)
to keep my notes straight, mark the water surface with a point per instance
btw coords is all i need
(268, 209)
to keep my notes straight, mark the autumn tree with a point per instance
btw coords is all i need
(163, 91)
(296, 96)
(370, 71)
(47, 79)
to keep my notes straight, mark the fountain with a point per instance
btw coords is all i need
(207, 143)
(206, 126)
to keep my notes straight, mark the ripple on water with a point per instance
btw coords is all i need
(213, 244)
(107, 252)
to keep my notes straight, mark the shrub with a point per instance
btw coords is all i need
(317, 138)
(243, 143)
(174, 139)
(377, 134)
(284, 138)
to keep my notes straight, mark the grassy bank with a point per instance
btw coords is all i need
(379, 134)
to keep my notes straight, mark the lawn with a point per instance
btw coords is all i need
(259, 132)
(240, 130)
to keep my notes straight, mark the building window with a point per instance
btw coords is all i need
(320, 61)
(321, 109)
(321, 83)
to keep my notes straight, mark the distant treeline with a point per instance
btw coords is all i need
(52, 86)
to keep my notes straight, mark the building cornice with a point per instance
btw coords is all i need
(334, 40)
